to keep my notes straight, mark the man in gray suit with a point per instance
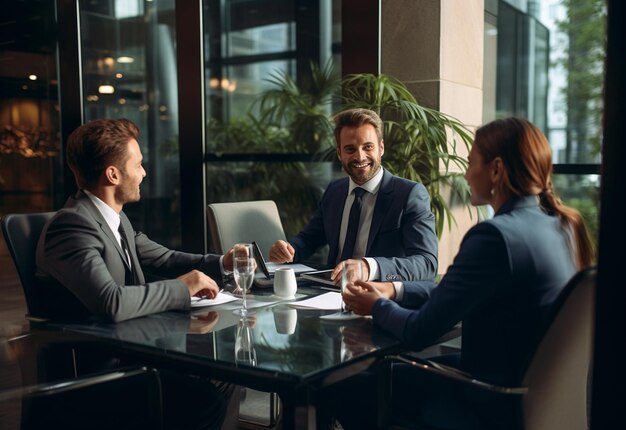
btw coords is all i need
(90, 249)
(91, 263)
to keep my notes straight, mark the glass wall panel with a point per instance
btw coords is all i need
(583, 193)
(292, 185)
(29, 107)
(252, 48)
(549, 60)
(129, 71)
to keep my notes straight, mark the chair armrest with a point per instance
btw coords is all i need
(454, 374)
(66, 385)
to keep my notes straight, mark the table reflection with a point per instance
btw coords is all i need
(278, 339)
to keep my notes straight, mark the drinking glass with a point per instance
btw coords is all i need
(243, 270)
(244, 343)
(350, 273)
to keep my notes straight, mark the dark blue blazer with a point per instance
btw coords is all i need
(402, 236)
(508, 272)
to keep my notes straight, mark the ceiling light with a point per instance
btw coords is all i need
(106, 89)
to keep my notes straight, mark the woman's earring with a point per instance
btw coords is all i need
(492, 192)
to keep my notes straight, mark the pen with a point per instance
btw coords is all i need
(208, 298)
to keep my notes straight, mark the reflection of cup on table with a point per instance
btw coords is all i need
(285, 320)
(285, 282)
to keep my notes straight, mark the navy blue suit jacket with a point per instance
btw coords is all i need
(402, 236)
(508, 272)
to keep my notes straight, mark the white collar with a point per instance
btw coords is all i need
(111, 217)
(370, 186)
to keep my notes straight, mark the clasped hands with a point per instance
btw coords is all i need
(359, 296)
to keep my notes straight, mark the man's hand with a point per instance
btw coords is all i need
(356, 340)
(365, 270)
(201, 324)
(199, 284)
(361, 296)
(228, 260)
(282, 252)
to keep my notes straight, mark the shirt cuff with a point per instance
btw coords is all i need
(399, 287)
(223, 269)
(373, 268)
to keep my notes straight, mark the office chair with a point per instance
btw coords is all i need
(21, 233)
(237, 222)
(245, 222)
(554, 388)
(128, 398)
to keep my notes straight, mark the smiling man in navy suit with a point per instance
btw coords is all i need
(391, 229)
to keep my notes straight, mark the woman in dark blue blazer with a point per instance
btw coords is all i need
(507, 273)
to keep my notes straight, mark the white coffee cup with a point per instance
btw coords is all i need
(285, 319)
(285, 282)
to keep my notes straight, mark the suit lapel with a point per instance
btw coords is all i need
(81, 199)
(381, 207)
(336, 204)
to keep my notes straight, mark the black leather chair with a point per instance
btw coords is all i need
(554, 390)
(127, 398)
(21, 233)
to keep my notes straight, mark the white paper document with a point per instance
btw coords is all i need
(327, 301)
(221, 298)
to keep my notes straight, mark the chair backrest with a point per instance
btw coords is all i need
(557, 377)
(21, 233)
(236, 222)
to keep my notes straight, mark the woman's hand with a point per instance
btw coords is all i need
(361, 296)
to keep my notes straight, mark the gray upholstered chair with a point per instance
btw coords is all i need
(554, 390)
(236, 222)
(247, 222)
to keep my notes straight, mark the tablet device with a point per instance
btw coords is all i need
(320, 277)
(260, 261)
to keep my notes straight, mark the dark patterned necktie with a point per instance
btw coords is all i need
(133, 279)
(353, 224)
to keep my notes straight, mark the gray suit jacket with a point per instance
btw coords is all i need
(83, 272)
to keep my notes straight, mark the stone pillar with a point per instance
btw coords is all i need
(436, 48)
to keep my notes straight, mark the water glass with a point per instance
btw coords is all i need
(243, 270)
(350, 273)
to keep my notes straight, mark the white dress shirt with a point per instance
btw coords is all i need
(365, 220)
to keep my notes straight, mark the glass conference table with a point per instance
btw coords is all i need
(292, 352)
